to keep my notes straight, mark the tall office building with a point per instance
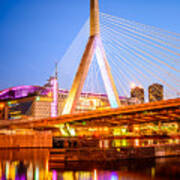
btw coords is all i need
(138, 93)
(155, 92)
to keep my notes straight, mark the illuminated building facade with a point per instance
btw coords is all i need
(34, 102)
(138, 92)
(25, 102)
(29, 108)
(155, 92)
(92, 101)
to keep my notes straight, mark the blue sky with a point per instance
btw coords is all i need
(34, 34)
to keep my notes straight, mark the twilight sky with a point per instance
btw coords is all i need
(34, 34)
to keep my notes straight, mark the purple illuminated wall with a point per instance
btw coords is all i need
(22, 91)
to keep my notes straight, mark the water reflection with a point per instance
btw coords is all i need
(35, 165)
(21, 171)
(138, 142)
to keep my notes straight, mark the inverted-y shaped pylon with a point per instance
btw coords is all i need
(93, 47)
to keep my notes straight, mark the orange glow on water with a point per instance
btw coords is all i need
(95, 174)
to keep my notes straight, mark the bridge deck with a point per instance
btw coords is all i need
(167, 110)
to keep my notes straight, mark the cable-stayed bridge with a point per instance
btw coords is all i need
(137, 54)
(118, 53)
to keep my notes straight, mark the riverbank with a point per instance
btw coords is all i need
(113, 154)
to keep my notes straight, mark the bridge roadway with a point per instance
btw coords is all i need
(161, 111)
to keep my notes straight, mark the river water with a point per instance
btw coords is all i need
(34, 164)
